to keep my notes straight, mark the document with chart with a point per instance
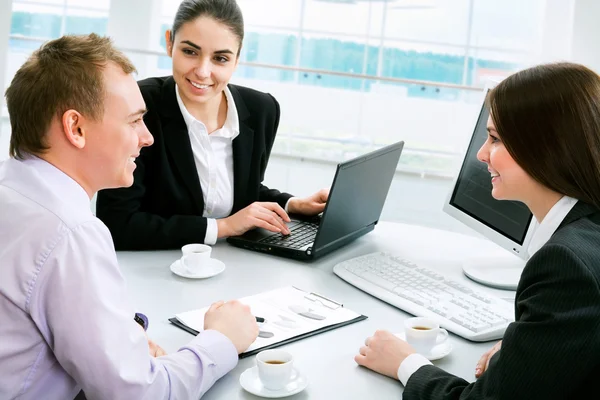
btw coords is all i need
(287, 314)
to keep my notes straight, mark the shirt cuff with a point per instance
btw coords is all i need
(410, 365)
(219, 348)
(286, 205)
(212, 230)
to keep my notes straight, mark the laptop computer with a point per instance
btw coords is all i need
(356, 198)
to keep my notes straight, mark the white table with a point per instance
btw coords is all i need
(326, 359)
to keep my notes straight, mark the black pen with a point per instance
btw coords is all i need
(260, 319)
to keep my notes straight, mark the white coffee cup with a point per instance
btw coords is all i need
(275, 368)
(196, 248)
(195, 256)
(424, 334)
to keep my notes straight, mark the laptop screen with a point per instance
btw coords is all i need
(357, 194)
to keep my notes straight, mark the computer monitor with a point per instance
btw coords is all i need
(509, 224)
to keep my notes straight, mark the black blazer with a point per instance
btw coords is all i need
(163, 208)
(552, 351)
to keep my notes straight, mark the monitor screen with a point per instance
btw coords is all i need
(472, 193)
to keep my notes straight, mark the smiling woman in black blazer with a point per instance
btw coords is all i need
(543, 149)
(202, 178)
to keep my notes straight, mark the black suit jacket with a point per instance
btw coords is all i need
(164, 206)
(552, 351)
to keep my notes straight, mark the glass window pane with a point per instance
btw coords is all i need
(423, 62)
(335, 53)
(169, 7)
(270, 46)
(272, 13)
(84, 21)
(307, 112)
(377, 18)
(92, 4)
(438, 21)
(428, 124)
(350, 18)
(166, 25)
(34, 3)
(36, 21)
(510, 24)
(490, 64)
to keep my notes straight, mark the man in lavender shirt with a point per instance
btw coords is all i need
(66, 323)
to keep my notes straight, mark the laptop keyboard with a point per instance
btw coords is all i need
(300, 235)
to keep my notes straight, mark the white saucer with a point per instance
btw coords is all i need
(211, 268)
(439, 351)
(250, 381)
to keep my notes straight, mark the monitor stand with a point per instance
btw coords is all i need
(500, 272)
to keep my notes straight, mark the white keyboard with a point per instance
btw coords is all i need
(426, 293)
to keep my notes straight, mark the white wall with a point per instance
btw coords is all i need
(557, 38)
(586, 32)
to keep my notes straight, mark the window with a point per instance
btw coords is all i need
(350, 74)
(48, 19)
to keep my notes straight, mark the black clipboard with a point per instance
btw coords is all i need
(194, 332)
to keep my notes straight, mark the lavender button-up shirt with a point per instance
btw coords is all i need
(66, 322)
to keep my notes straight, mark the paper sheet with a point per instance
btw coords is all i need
(288, 312)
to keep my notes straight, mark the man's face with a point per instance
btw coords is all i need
(113, 143)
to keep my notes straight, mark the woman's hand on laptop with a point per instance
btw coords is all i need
(267, 215)
(311, 205)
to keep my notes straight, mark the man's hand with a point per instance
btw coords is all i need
(269, 216)
(484, 361)
(155, 350)
(311, 205)
(234, 320)
(383, 353)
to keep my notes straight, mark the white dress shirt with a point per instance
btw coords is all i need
(213, 156)
(542, 234)
(67, 322)
(550, 223)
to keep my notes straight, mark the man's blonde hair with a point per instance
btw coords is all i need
(63, 74)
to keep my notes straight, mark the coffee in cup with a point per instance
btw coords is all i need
(424, 334)
(275, 368)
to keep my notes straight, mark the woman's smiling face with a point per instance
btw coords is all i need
(205, 55)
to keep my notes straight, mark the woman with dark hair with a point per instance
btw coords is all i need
(543, 149)
(202, 178)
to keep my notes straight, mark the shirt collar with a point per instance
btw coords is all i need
(550, 223)
(231, 127)
(51, 180)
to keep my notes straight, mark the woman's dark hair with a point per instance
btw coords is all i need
(548, 118)
(226, 12)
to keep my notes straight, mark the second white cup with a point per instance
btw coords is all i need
(195, 256)
(275, 368)
(424, 334)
